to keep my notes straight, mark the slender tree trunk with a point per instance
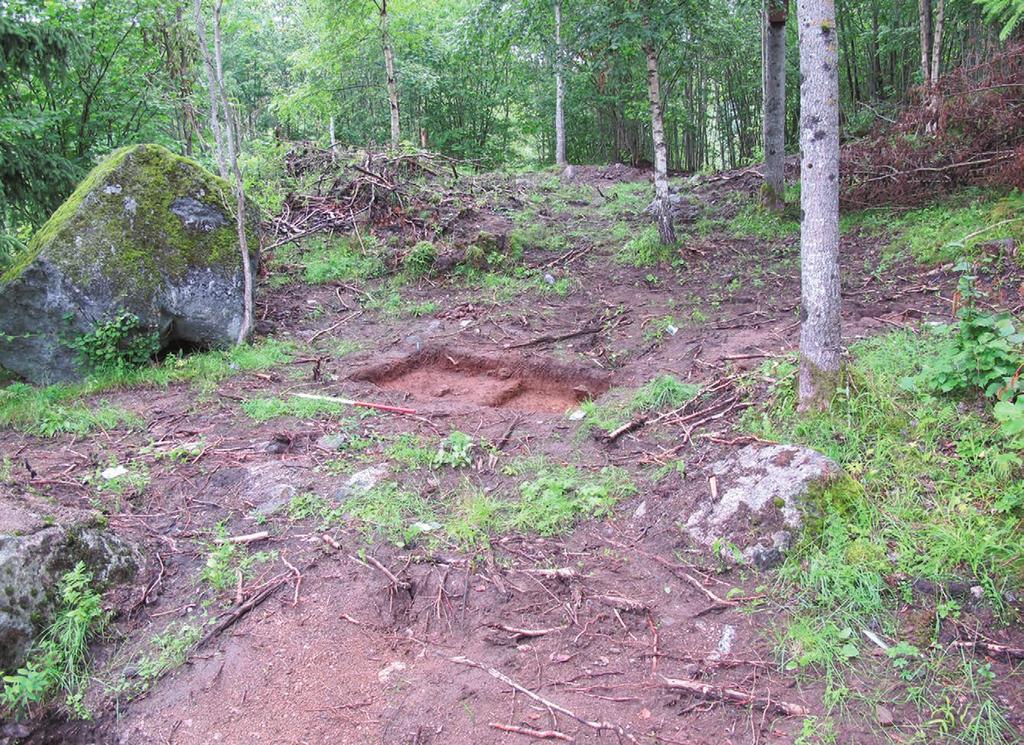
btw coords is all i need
(773, 190)
(229, 135)
(560, 160)
(389, 65)
(663, 205)
(924, 17)
(820, 337)
(938, 24)
(212, 86)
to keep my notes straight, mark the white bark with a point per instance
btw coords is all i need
(820, 334)
(228, 135)
(666, 230)
(211, 84)
(389, 66)
(924, 18)
(938, 22)
(560, 160)
(773, 190)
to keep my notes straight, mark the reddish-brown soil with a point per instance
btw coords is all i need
(362, 641)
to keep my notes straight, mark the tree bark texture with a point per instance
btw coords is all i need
(389, 65)
(773, 190)
(212, 86)
(820, 335)
(560, 160)
(666, 230)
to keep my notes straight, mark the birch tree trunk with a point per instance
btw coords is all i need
(924, 19)
(560, 160)
(663, 205)
(389, 66)
(228, 134)
(773, 189)
(820, 337)
(211, 84)
(938, 23)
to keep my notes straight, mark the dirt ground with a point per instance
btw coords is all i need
(536, 639)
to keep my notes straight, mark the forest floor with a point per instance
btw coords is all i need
(408, 574)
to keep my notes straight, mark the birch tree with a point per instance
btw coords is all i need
(560, 159)
(663, 202)
(820, 335)
(389, 66)
(227, 142)
(774, 126)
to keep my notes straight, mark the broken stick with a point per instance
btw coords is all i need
(731, 695)
(351, 402)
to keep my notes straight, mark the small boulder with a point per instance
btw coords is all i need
(147, 233)
(764, 494)
(39, 543)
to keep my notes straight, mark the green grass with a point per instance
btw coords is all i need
(626, 198)
(646, 249)
(953, 229)
(58, 660)
(754, 221)
(559, 496)
(52, 410)
(939, 499)
(265, 408)
(660, 393)
(334, 259)
(226, 560)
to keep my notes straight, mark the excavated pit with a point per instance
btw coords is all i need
(502, 382)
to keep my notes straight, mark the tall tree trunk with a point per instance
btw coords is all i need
(773, 190)
(820, 337)
(938, 24)
(924, 17)
(560, 160)
(389, 66)
(663, 206)
(212, 86)
(229, 144)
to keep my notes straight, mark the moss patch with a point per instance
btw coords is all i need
(118, 223)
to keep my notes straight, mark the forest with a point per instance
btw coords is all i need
(506, 371)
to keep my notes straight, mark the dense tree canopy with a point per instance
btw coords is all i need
(473, 78)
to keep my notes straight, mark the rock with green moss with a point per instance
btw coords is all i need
(147, 232)
(761, 498)
(39, 543)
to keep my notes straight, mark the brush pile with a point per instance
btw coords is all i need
(415, 195)
(967, 132)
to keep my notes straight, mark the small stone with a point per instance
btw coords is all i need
(577, 415)
(114, 472)
(549, 278)
(332, 442)
(389, 670)
(978, 592)
(884, 715)
(640, 510)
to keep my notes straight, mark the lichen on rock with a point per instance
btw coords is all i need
(147, 232)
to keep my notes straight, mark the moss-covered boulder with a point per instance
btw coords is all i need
(39, 543)
(148, 233)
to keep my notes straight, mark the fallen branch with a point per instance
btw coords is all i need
(550, 338)
(351, 402)
(529, 633)
(539, 734)
(732, 695)
(248, 538)
(993, 649)
(498, 675)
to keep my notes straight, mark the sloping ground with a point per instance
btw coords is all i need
(389, 615)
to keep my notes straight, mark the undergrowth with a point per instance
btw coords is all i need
(58, 660)
(941, 501)
(52, 410)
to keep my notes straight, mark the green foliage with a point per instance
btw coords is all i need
(411, 451)
(646, 249)
(335, 259)
(986, 352)
(454, 451)
(226, 561)
(954, 228)
(265, 408)
(170, 650)
(58, 660)
(559, 496)
(116, 345)
(663, 392)
(420, 260)
(754, 221)
(1009, 13)
(390, 512)
(56, 410)
(938, 503)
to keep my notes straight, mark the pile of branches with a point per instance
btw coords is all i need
(407, 193)
(969, 130)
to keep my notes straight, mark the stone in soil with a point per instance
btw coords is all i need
(764, 494)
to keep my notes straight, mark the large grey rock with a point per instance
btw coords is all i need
(39, 543)
(146, 232)
(764, 495)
